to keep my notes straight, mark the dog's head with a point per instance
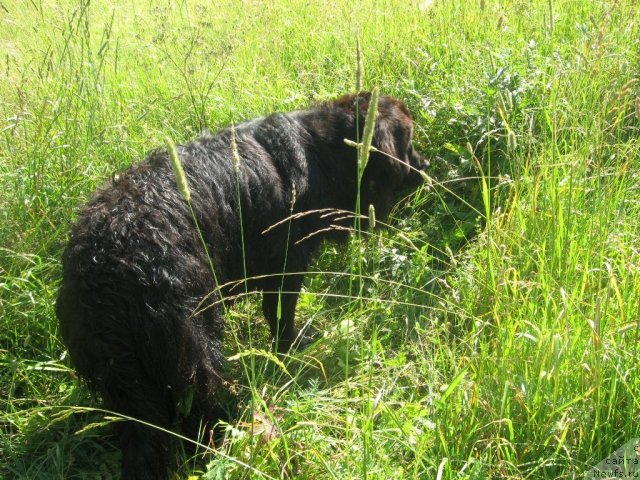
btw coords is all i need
(395, 167)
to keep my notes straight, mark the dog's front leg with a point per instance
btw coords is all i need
(279, 307)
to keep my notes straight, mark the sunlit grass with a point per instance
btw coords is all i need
(494, 329)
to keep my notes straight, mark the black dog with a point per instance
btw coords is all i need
(139, 306)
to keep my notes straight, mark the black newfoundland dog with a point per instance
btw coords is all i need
(140, 308)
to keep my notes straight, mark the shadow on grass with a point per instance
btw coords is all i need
(60, 445)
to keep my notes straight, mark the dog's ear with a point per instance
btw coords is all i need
(395, 139)
(393, 136)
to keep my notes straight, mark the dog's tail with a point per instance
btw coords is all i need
(154, 356)
(106, 354)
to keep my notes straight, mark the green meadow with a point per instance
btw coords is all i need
(491, 330)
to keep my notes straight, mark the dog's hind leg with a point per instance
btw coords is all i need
(147, 450)
(105, 354)
(209, 399)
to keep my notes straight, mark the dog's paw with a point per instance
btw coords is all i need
(305, 338)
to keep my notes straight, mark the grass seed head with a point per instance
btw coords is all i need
(512, 142)
(369, 127)
(427, 179)
(181, 177)
(359, 67)
(372, 216)
(234, 151)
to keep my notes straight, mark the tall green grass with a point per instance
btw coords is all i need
(494, 329)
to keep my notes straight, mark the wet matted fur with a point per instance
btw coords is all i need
(138, 306)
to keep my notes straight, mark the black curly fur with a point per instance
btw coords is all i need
(137, 306)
